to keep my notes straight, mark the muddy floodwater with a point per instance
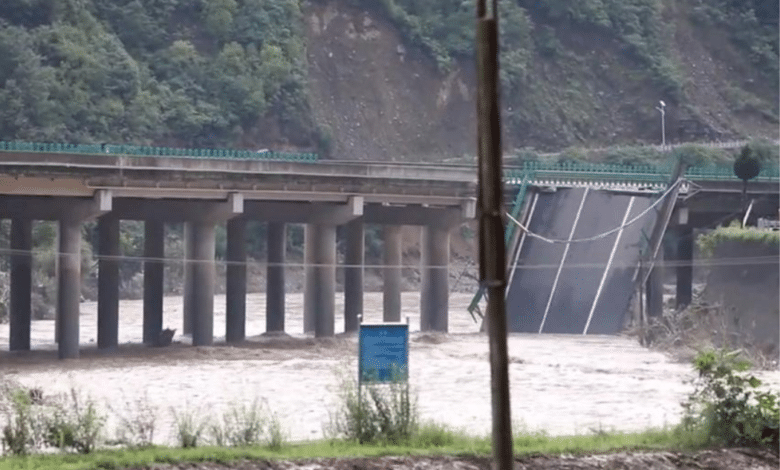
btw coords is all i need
(559, 384)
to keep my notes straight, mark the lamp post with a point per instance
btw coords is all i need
(662, 110)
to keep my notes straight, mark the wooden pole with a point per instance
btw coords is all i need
(492, 251)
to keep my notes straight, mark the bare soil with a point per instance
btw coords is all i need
(717, 459)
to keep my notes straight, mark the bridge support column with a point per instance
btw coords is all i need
(154, 252)
(655, 288)
(684, 292)
(203, 274)
(276, 245)
(391, 299)
(235, 295)
(108, 282)
(69, 288)
(319, 302)
(21, 285)
(187, 288)
(434, 285)
(353, 274)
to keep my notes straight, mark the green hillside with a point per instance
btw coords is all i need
(210, 73)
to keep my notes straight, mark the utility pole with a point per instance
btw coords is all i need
(492, 252)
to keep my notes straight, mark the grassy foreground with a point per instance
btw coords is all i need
(442, 443)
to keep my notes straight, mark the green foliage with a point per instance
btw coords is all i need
(17, 433)
(277, 436)
(708, 242)
(381, 413)
(188, 427)
(75, 424)
(137, 424)
(750, 25)
(240, 425)
(728, 404)
(144, 70)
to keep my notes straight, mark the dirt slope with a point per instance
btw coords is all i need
(382, 99)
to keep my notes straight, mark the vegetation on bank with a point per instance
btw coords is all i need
(708, 242)
(211, 73)
(457, 444)
(727, 408)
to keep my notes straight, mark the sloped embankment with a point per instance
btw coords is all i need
(745, 280)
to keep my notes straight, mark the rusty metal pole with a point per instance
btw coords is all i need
(492, 253)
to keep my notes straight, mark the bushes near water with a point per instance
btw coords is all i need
(728, 405)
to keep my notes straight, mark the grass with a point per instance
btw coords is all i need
(448, 442)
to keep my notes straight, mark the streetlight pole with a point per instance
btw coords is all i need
(662, 110)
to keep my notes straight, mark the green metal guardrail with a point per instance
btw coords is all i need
(509, 232)
(630, 173)
(144, 151)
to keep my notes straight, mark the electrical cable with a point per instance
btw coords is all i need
(595, 237)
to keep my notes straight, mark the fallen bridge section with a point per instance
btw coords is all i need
(582, 287)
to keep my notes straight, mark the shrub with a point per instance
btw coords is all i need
(137, 423)
(188, 427)
(240, 425)
(378, 413)
(74, 424)
(727, 405)
(277, 437)
(17, 433)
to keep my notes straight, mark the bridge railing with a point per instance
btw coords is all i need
(148, 151)
(603, 172)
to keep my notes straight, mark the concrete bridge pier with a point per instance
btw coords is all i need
(203, 274)
(319, 301)
(391, 299)
(353, 273)
(154, 252)
(684, 293)
(108, 282)
(276, 245)
(434, 285)
(21, 285)
(187, 288)
(235, 282)
(69, 287)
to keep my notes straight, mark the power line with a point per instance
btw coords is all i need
(701, 262)
(595, 237)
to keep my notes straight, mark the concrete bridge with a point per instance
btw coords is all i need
(201, 192)
(73, 184)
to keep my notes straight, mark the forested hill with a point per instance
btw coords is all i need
(190, 72)
(382, 78)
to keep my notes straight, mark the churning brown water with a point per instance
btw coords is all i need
(559, 384)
